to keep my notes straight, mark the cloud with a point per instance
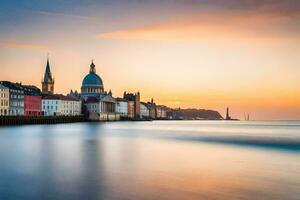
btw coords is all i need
(22, 45)
(56, 14)
(226, 25)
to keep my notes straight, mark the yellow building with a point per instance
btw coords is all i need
(4, 100)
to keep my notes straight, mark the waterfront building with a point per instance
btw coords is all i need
(103, 109)
(48, 80)
(131, 112)
(133, 104)
(144, 110)
(32, 101)
(16, 98)
(152, 109)
(60, 105)
(122, 107)
(161, 112)
(4, 100)
(98, 104)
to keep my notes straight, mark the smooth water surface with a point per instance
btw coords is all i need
(151, 160)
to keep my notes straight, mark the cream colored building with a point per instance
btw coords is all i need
(59, 105)
(4, 100)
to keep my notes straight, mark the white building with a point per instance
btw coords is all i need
(4, 100)
(103, 109)
(59, 105)
(122, 107)
(161, 112)
(144, 110)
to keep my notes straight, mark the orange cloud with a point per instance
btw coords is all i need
(22, 45)
(224, 26)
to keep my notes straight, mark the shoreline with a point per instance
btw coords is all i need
(38, 120)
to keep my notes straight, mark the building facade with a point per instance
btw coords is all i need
(60, 105)
(144, 111)
(103, 109)
(133, 104)
(122, 107)
(152, 109)
(161, 112)
(48, 80)
(32, 101)
(4, 101)
(16, 98)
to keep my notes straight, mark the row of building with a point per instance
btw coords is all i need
(93, 101)
(23, 100)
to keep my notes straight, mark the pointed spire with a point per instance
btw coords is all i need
(48, 75)
(48, 65)
(48, 80)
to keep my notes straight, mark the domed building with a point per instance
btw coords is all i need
(92, 84)
(98, 104)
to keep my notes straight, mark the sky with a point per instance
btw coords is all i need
(210, 54)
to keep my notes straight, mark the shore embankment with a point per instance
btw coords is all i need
(22, 120)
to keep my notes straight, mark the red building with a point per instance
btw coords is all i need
(32, 105)
(32, 101)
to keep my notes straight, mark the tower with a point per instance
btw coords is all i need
(227, 114)
(48, 80)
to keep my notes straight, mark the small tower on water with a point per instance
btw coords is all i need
(48, 80)
(227, 114)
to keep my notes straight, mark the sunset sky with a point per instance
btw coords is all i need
(208, 54)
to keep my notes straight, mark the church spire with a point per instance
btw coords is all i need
(48, 71)
(48, 81)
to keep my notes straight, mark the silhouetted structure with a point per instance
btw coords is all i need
(227, 114)
(48, 80)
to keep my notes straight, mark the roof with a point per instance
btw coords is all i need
(3, 87)
(48, 76)
(32, 90)
(92, 100)
(59, 97)
(145, 104)
(11, 85)
(121, 99)
(29, 90)
(92, 79)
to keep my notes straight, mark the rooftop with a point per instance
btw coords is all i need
(59, 97)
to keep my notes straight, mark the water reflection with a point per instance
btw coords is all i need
(147, 161)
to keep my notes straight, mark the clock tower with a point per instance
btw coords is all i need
(48, 80)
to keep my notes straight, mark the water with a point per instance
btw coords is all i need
(151, 160)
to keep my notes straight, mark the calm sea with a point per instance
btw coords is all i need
(209, 160)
